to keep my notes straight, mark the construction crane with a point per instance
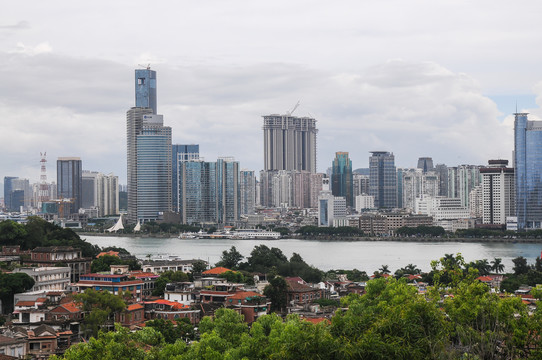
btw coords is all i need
(289, 113)
(148, 66)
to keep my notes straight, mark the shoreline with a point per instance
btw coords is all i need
(345, 238)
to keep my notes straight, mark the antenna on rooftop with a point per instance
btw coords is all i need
(295, 107)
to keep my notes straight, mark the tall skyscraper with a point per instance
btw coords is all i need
(461, 180)
(289, 143)
(247, 186)
(145, 89)
(442, 171)
(148, 154)
(8, 188)
(425, 164)
(69, 179)
(528, 171)
(342, 183)
(498, 192)
(179, 154)
(383, 179)
(209, 191)
(101, 191)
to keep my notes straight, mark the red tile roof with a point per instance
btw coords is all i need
(484, 278)
(173, 304)
(110, 253)
(216, 271)
(317, 320)
(25, 303)
(242, 295)
(134, 307)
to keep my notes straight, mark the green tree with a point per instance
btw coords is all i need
(168, 277)
(230, 259)
(276, 292)
(104, 262)
(390, 321)
(11, 284)
(100, 307)
(520, 265)
(198, 266)
(497, 266)
(172, 331)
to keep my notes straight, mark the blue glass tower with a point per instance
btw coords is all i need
(383, 179)
(528, 171)
(179, 154)
(342, 183)
(69, 181)
(145, 89)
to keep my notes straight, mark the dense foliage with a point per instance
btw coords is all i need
(336, 231)
(11, 284)
(421, 231)
(38, 232)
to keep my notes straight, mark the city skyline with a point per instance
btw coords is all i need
(422, 87)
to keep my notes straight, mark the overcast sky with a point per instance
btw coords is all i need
(417, 78)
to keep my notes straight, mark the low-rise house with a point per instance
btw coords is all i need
(12, 346)
(300, 293)
(159, 266)
(251, 304)
(215, 271)
(115, 284)
(170, 310)
(149, 282)
(132, 316)
(67, 255)
(48, 278)
(182, 292)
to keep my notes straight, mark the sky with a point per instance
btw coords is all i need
(416, 78)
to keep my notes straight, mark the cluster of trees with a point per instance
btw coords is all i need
(390, 321)
(330, 231)
(421, 231)
(263, 259)
(524, 274)
(37, 232)
(11, 284)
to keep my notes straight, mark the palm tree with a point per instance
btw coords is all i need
(497, 266)
(384, 269)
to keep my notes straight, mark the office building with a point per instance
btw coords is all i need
(361, 184)
(69, 180)
(145, 89)
(18, 194)
(7, 191)
(342, 183)
(383, 179)
(425, 164)
(179, 154)
(528, 172)
(149, 168)
(330, 208)
(247, 187)
(209, 192)
(289, 143)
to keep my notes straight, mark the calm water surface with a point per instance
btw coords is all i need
(326, 255)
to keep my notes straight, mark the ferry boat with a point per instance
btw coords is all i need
(255, 234)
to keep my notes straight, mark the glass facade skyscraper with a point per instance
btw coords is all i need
(528, 171)
(145, 89)
(69, 179)
(383, 179)
(342, 183)
(209, 191)
(179, 154)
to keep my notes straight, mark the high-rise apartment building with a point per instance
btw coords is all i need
(442, 171)
(417, 183)
(145, 89)
(209, 191)
(179, 154)
(342, 183)
(330, 207)
(100, 191)
(69, 180)
(247, 186)
(498, 192)
(383, 179)
(461, 180)
(528, 171)
(289, 143)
